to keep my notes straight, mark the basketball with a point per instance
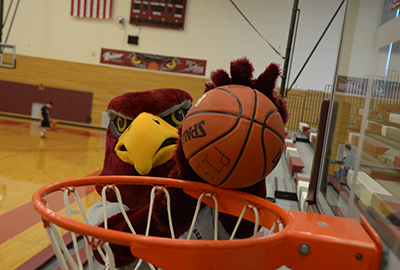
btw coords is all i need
(233, 136)
(54, 123)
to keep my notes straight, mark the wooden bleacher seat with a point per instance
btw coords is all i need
(389, 132)
(342, 191)
(302, 184)
(389, 107)
(292, 156)
(371, 147)
(308, 132)
(396, 163)
(374, 148)
(386, 204)
(312, 136)
(389, 117)
(303, 127)
(366, 187)
(372, 194)
(295, 165)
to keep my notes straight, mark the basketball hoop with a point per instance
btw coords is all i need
(296, 239)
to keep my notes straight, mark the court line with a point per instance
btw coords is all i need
(43, 257)
(25, 217)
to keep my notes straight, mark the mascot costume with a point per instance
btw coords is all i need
(144, 138)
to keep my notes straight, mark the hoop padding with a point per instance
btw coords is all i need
(267, 252)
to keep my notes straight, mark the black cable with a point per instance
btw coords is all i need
(289, 46)
(255, 29)
(8, 12)
(12, 21)
(316, 45)
(294, 45)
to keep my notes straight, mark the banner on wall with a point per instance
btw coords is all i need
(153, 62)
(352, 85)
(96, 9)
(395, 4)
(387, 87)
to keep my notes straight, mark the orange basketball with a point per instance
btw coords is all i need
(233, 136)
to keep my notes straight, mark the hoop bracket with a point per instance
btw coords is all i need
(332, 242)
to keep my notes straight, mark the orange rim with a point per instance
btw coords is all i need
(268, 214)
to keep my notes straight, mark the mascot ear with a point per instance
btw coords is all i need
(218, 77)
(242, 74)
(265, 83)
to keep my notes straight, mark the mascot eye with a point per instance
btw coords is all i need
(176, 118)
(136, 60)
(170, 65)
(122, 123)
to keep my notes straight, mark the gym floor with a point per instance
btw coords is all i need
(29, 162)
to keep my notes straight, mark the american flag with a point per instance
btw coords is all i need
(395, 4)
(98, 9)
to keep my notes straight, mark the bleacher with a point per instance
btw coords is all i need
(294, 160)
(296, 164)
(377, 186)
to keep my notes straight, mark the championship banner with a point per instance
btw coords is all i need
(153, 62)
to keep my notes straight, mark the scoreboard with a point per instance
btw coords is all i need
(159, 13)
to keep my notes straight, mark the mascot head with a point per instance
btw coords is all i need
(142, 132)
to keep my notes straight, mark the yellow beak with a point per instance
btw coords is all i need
(148, 142)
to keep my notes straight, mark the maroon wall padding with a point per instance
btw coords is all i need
(69, 105)
(323, 119)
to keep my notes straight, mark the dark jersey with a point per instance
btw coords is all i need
(46, 116)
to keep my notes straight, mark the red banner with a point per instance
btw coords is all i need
(153, 62)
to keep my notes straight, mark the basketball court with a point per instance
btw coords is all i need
(29, 162)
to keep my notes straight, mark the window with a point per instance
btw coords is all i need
(364, 163)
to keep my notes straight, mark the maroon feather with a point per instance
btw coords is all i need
(241, 71)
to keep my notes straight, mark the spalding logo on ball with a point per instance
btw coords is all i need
(233, 136)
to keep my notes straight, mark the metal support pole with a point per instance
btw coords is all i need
(1, 19)
(288, 48)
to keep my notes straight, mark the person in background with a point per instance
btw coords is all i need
(347, 164)
(45, 118)
(349, 160)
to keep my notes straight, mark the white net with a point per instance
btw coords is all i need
(79, 254)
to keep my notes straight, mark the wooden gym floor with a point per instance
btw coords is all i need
(28, 162)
